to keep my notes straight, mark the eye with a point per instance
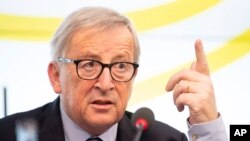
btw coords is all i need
(88, 65)
(120, 67)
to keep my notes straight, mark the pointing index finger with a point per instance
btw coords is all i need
(201, 60)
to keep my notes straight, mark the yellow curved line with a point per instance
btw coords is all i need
(34, 28)
(27, 28)
(217, 59)
(168, 13)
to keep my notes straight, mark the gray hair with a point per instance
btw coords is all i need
(90, 17)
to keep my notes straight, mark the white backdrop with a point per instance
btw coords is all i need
(223, 27)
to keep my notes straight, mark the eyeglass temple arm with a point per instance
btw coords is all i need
(65, 60)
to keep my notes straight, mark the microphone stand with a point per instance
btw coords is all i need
(138, 134)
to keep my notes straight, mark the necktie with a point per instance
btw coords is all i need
(94, 139)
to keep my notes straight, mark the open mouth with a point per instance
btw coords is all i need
(102, 105)
(101, 102)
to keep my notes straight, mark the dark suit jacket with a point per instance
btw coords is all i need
(50, 126)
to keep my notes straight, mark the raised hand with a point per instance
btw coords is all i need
(193, 87)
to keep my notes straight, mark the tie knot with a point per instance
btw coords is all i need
(94, 139)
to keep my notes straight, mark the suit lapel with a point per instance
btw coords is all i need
(51, 128)
(125, 129)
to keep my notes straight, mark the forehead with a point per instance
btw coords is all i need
(94, 41)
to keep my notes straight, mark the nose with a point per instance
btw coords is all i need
(105, 81)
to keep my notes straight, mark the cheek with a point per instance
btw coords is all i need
(74, 95)
(79, 94)
(77, 101)
(73, 86)
(124, 95)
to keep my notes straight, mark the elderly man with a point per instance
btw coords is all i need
(95, 55)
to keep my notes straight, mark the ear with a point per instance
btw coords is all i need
(54, 74)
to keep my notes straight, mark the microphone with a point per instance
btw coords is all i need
(142, 120)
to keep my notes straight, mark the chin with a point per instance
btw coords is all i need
(105, 119)
(100, 125)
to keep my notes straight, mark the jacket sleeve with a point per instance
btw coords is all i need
(210, 131)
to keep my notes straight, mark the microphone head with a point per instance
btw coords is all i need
(143, 117)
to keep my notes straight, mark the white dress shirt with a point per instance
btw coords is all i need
(73, 132)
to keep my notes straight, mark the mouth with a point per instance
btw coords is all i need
(102, 104)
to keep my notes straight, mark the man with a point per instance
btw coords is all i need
(95, 55)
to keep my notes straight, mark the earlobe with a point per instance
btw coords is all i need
(54, 73)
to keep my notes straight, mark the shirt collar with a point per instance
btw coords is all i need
(73, 132)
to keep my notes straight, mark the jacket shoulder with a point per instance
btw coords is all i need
(11, 119)
(8, 123)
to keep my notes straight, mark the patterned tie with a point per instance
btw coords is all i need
(94, 139)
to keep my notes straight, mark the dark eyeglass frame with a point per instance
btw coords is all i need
(77, 62)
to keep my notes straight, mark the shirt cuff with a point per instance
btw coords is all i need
(210, 131)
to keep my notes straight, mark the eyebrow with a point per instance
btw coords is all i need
(90, 56)
(120, 57)
(116, 58)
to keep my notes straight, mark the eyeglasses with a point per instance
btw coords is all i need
(88, 69)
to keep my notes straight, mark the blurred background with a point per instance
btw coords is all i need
(167, 30)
